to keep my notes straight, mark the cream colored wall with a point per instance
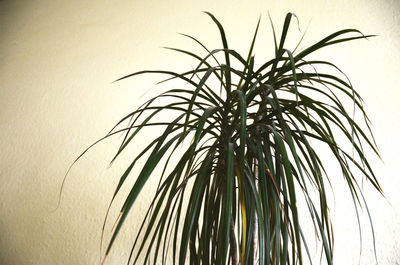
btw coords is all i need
(57, 61)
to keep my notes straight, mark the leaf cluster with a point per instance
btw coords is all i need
(231, 195)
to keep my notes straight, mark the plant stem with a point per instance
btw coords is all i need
(255, 221)
(255, 238)
(233, 243)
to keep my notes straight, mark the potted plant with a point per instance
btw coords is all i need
(246, 133)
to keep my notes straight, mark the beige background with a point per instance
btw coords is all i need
(57, 61)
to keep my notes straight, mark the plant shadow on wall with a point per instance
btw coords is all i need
(229, 196)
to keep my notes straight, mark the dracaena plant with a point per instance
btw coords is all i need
(229, 193)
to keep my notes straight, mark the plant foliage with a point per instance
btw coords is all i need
(230, 196)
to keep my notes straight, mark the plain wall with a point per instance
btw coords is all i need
(57, 63)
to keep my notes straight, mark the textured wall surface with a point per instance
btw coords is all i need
(57, 61)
